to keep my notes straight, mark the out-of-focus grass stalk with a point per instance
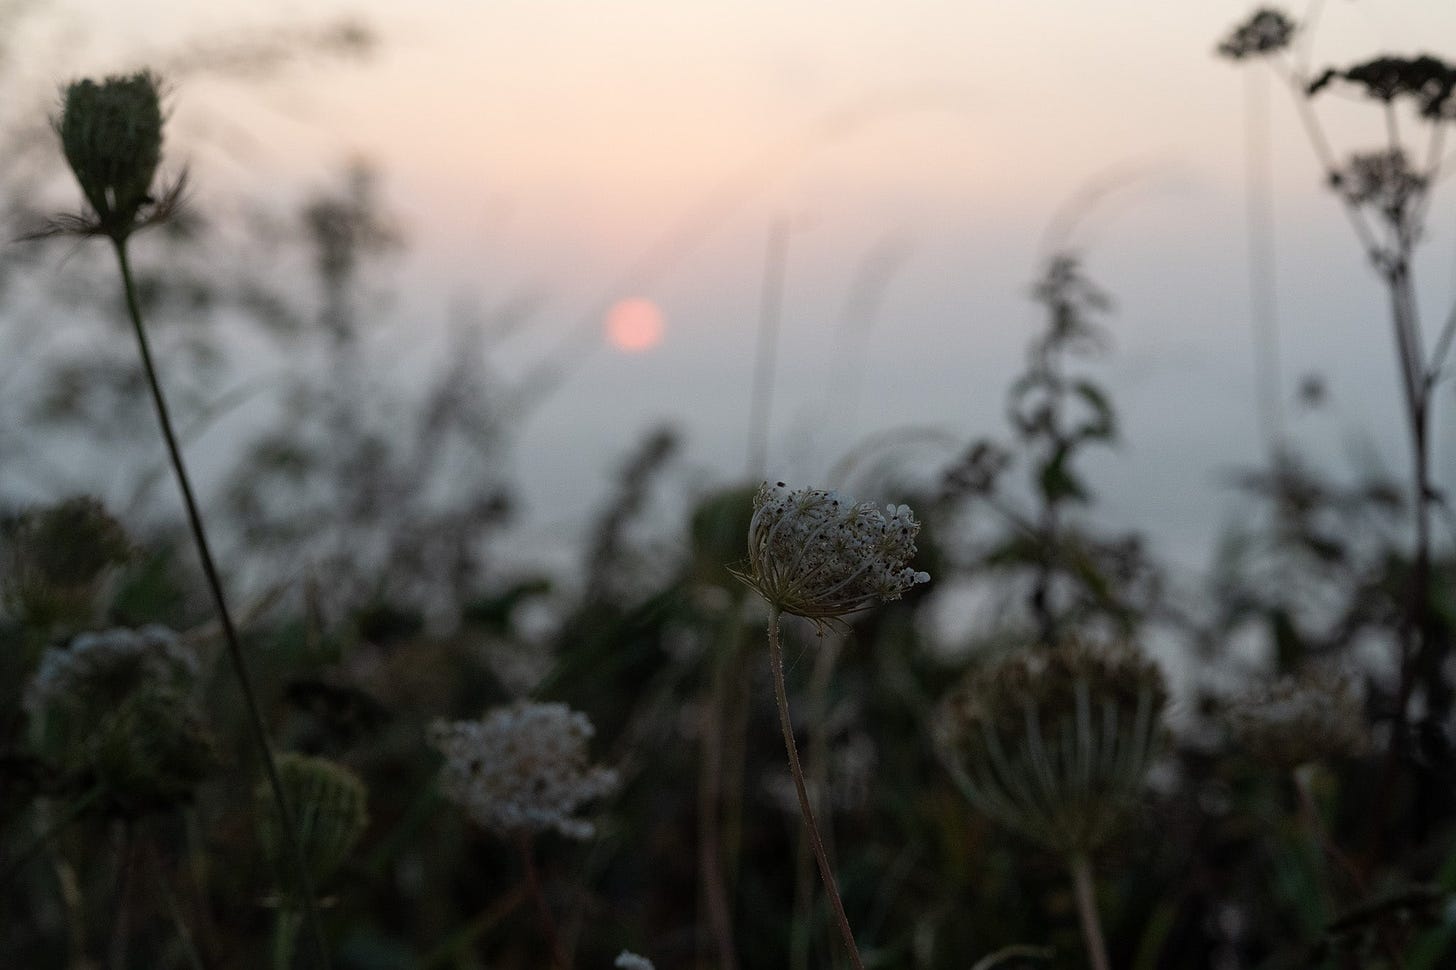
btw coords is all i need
(214, 583)
(714, 888)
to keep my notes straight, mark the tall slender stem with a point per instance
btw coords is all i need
(761, 401)
(543, 911)
(776, 661)
(230, 633)
(125, 873)
(1086, 893)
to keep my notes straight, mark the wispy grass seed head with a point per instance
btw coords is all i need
(817, 554)
(523, 769)
(1055, 743)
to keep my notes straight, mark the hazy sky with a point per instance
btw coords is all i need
(552, 147)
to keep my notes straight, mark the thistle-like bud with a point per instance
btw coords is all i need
(56, 558)
(1055, 743)
(112, 136)
(328, 802)
(523, 769)
(819, 555)
(1312, 717)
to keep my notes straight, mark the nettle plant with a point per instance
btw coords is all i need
(1062, 574)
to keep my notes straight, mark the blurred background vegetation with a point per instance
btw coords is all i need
(364, 522)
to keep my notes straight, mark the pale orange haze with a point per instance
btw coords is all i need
(596, 151)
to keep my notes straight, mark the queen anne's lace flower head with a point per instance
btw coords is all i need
(1055, 742)
(523, 768)
(820, 555)
(626, 960)
(1314, 716)
(101, 668)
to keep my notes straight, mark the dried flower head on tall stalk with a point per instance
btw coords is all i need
(1386, 194)
(822, 556)
(111, 133)
(1056, 744)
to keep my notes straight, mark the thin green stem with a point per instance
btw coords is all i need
(230, 633)
(776, 661)
(1086, 893)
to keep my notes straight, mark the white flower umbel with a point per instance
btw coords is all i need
(523, 769)
(626, 960)
(1315, 716)
(101, 668)
(820, 555)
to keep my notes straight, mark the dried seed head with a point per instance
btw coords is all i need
(523, 769)
(1265, 32)
(328, 802)
(1055, 743)
(112, 136)
(819, 555)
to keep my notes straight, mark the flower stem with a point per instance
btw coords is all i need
(776, 661)
(230, 633)
(543, 911)
(1087, 911)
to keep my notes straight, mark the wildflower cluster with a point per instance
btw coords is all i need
(1055, 743)
(99, 669)
(1429, 81)
(117, 709)
(1384, 180)
(816, 554)
(1265, 32)
(523, 768)
(1314, 716)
